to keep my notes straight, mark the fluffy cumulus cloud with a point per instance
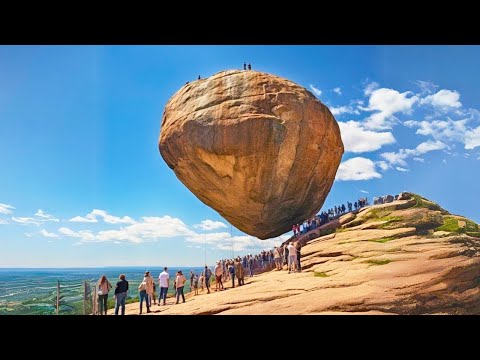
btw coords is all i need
(45, 217)
(398, 158)
(472, 138)
(426, 87)
(6, 209)
(346, 109)
(386, 102)
(102, 214)
(356, 139)
(443, 100)
(357, 168)
(444, 130)
(337, 91)
(224, 241)
(48, 234)
(210, 225)
(315, 90)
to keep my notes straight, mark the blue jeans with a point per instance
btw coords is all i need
(180, 292)
(144, 296)
(120, 300)
(163, 294)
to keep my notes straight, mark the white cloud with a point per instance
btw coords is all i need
(338, 90)
(444, 130)
(26, 220)
(48, 234)
(426, 87)
(370, 88)
(337, 111)
(364, 191)
(401, 169)
(357, 140)
(387, 102)
(444, 161)
(357, 168)
(6, 209)
(149, 229)
(419, 159)
(42, 214)
(443, 100)
(383, 165)
(109, 219)
(398, 158)
(316, 91)
(3, 221)
(472, 138)
(210, 225)
(223, 241)
(28, 235)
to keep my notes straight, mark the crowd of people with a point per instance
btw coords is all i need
(225, 270)
(326, 216)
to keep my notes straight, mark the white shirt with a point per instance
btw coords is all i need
(163, 279)
(292, 250)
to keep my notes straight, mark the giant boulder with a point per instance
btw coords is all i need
(259, 149)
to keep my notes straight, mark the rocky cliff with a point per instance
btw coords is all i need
(259, 149)
(407, 257)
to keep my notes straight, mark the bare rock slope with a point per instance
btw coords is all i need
(407, 257)
(259, 149)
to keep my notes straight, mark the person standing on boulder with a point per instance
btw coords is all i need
(121, 290)
(278, 258)
(218, 276)
(207, 275)
(292, 257)
(163, 284)
(298, 246)
(244, 66)
(249, 66)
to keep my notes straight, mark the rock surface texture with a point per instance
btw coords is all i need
(405, 257)
(259, 149)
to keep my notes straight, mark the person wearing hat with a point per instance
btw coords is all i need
(149, 281)
(180, 282)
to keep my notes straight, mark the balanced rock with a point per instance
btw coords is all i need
(259, 149)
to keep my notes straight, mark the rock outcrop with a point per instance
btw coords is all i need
(259, 149)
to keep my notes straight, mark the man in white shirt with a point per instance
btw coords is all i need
(163, 284)
(292, 257)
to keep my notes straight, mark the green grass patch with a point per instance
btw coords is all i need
(383, 240)
(422, 202)
(320, 274)
(449, 224)
(474, 234)
(378, 262)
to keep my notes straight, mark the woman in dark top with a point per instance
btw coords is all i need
(121, 290)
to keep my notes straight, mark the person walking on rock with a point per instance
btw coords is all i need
(163, 284)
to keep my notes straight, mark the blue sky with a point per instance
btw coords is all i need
(83, 183)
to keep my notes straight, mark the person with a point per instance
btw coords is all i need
(104, 287)
(292, 257)
(244, 66)
(278, 258)
(195, 284)
(207, 274)
(142, 288)
(149, 281)
(201, 280)
(231, 270)
(121, 290)
(249, 66)
(199, 77)
(192, 278)
(285, 254)
(180, 283)
(163, 284)
(154, 294)
(239, 272)
(250, 265)
(218, 276)
(298, 246)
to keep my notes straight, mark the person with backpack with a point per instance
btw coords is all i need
(143, 296)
